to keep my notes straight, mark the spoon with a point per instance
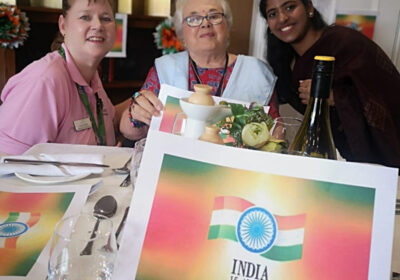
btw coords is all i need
(105, 206)
(124, 169)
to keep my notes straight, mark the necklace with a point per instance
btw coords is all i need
(99, 129)
(194, 67)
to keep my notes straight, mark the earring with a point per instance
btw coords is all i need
(311, 14)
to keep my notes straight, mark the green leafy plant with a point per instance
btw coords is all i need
(241, 116)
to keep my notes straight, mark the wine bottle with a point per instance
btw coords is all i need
(314, 137)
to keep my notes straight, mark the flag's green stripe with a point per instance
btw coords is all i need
(284, 253)
(12, 217)
(222, 231)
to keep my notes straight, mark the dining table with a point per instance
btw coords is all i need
(108, 183)
(104, 184)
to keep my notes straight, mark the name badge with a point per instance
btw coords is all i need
(82, 124)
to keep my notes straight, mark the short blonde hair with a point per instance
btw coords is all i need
(181, 4)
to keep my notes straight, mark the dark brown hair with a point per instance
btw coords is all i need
(281, 54)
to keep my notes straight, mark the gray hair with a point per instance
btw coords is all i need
(181, 4)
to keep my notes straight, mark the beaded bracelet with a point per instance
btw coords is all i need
(134, 123)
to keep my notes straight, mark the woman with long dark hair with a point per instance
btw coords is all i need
(365, 99)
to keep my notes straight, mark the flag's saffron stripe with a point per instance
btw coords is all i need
(33, 219)
(222, 231)
(289, 237)
(11, 243)
(12, 217)
(289, 253)
(290, 222)
(231, 202)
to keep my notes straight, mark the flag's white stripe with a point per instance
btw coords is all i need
(290, 237)
(225, 217)
(231, 217)
(24, 217)
(2, 242)
(2, 220)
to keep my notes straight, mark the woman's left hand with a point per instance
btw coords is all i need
(305, 90)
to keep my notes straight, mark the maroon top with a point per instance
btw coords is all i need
(366, 85)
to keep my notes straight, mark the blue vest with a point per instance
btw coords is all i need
(251, 80)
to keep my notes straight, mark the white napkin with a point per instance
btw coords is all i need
(52, 170)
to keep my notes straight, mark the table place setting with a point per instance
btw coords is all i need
(49, 168)
(91, 190)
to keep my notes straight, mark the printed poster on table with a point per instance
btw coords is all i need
(28, 216)
(170, 96)
(216, 212)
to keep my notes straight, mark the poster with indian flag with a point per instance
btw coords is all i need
(172, 111)
(207, 211)
(28, 216)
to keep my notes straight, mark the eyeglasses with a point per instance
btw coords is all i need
(197, 20)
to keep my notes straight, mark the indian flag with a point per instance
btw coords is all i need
(16, 224)
(275, 237)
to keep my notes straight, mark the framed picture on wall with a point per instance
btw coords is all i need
(119, 47)
(359, 20)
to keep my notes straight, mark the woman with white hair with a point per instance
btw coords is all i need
(203, 27)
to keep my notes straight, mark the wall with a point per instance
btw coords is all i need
(387, 22)
(240, 33)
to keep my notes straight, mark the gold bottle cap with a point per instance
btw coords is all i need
(324, 58)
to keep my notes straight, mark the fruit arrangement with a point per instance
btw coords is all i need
(250, 128)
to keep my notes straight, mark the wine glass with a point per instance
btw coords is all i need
(285, 128)
(178, 127)
(83, 246)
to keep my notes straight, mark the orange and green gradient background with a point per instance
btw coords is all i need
(51, 206)
(117, 47)
(337, 231)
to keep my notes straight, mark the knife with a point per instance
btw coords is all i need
(121, 225)
(56, 163)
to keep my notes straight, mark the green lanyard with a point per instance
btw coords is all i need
(99, 130)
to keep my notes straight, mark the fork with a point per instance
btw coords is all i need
(124, 169)
(126, 181)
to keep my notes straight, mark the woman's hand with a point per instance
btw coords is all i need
(305, 90)
(142, 109)
(145, 106)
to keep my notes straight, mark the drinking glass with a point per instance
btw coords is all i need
(285, 128)
(178, 127)
(136, 159)
(82, 247)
